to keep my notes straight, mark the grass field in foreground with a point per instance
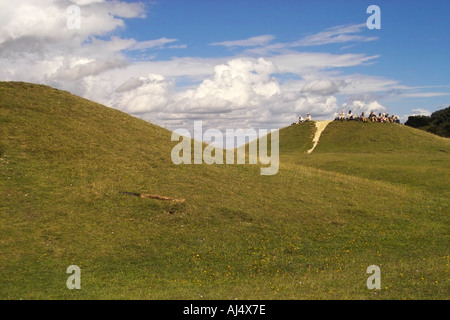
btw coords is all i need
(368, 195)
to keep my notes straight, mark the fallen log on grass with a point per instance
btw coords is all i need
(151, 196)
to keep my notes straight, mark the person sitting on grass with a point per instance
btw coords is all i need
(363, 118)
(308, 117)
(380, 117)
(342, 115)
(349, 115)
(300, 119)
(396, 119)
(372, 117)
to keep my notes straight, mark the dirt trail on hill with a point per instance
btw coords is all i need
(320, 125)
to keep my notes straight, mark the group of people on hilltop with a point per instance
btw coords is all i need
(381, 117)
(301, 119)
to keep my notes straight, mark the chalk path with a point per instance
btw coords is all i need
(320, 125)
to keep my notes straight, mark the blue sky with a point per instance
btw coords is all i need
(414, 39)
(413, 44)
(235, 63)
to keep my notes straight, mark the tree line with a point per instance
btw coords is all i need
(438, 122)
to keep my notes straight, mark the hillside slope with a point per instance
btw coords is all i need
(308, 232)
(379, 151)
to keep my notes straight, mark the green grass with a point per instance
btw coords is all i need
(385, 152)
(368, 194)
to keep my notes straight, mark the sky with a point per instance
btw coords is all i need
(236, 63)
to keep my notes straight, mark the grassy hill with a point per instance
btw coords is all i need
(380, 151)
(368, 194)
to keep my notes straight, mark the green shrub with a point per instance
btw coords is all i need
(438, 123)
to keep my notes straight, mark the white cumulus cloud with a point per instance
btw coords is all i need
(266, 85)
(238, 83)
(143, 95)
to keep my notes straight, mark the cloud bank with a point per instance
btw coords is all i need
(265, 85)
